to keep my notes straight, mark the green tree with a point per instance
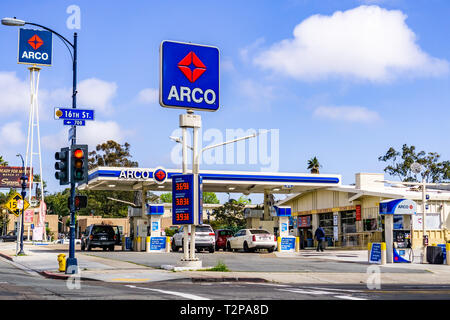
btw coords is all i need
(399, 165)
(230, 215)
(314, 165)
(3, 162)
(210, 197)
(111, 154)
(166, 197)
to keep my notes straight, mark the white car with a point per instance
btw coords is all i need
(205, 238)
(251, 239)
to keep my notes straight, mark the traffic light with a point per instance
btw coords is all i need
(80, 202)
(62, 167)
(79, 163)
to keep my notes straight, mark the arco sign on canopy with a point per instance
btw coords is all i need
(35, 47)
(189, 76)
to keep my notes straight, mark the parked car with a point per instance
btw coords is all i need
(10, 237)
(251, 239)
(99, 236)
(222, 236)
(204, 238)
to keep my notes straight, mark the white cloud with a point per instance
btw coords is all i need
(95, 94)
(347, 114)
(367, 42)
(14, 94)
(11, 134)
(148, 95)
(93, 133)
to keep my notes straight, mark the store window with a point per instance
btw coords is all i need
(326, 222)
(348, 222)
(370, 224)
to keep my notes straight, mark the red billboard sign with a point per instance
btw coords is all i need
(10, 177)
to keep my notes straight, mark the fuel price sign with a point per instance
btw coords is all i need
(183, 187)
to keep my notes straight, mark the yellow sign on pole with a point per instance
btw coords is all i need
(16, 204)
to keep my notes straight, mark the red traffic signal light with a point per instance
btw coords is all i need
(78, 154)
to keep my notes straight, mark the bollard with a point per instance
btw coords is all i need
(147, 244)
(297, 244)
(279, 244)
(447, 248)
(137, 246)
(383, 253)
(369, 248)
(123, 243)
(168, 244)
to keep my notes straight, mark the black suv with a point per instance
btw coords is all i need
(99, 236)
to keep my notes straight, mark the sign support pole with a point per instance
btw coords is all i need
(72, 264)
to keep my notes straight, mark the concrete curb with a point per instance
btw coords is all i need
(6, 256)
(62, 276)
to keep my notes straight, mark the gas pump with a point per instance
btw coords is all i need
(397, 229)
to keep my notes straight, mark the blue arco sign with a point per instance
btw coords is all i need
(35, 47)
(189, 76)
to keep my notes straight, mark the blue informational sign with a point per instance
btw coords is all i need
(189, 76)
(287, 243)
(128, 244)
(157, 243)
(183, 199)
(35, 47)
(74, 122)
(73, 114)
(375, 253)
(155, 226)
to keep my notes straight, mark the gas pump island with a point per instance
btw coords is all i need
(397, 229)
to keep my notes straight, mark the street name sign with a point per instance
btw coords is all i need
(16, 204)
(35, 47)
(73, 114)
(74, 122)
(189, 76)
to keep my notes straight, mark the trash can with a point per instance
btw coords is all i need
(309, 243)
(434, 255)
(128, 244)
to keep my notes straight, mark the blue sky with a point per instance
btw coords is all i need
(353, 79)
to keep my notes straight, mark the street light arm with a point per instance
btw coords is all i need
(52, 31)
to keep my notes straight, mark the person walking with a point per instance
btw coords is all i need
(320, 237)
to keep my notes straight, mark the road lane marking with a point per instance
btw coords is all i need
(349, 298)
(316, 292)
(332, 289)
(180, 294)
(130, 279)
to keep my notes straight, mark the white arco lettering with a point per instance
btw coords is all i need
(197, 95)
(35, 55)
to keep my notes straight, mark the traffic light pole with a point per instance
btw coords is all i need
(71, 263)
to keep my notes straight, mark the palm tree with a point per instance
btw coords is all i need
(3, 162)
(314, 165)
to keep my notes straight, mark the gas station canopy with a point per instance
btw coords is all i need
(133, 179)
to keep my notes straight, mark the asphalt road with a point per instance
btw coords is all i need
(17, 284)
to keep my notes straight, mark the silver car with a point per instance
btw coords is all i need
(205, 238)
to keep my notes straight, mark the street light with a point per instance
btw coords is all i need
(13, 22)
(23, 178)
(71, 261)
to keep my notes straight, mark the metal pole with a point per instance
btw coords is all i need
(196, 204)
(23, 205)
(185, 171)
(72, 264)
(424, 253)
